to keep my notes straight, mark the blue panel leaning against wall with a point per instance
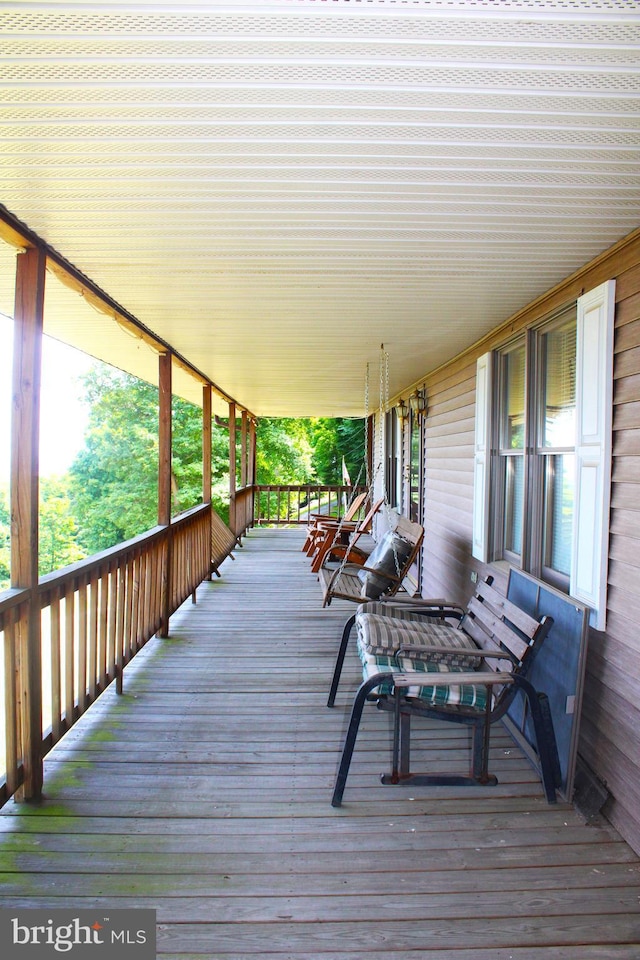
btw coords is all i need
(558, 670)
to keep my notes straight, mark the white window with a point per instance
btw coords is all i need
(542, 478)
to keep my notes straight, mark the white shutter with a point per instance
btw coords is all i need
(594, 410)
(482, 457)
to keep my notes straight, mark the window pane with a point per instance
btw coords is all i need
(513, 498)
(559, 358)
(512, 425)
(559, 493)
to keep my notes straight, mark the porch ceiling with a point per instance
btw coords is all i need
(275, 188)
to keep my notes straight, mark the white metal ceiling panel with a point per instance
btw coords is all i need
(276, 188)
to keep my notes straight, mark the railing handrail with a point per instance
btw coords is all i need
(88, 565)
(295, 513)
(12, 598)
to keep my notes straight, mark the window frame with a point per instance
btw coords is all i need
(592, 451)
(537, 459)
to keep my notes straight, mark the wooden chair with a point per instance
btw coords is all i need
(318, 520)
(468, 673)
(384, 570)
(340, 540)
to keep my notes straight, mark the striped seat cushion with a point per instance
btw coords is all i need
(379, 635)
(450, 695)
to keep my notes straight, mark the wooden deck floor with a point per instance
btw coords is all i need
(204, 793)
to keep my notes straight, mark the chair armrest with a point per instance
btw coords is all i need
(427, 652)
(448, 679)
(394, 578)
(427, 607)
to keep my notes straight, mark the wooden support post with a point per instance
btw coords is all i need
(244, 465)
(207, 414)
(244, 470)
(232, 467)
(164, 479)
(252, 467)
(206, 444)
(25, 444)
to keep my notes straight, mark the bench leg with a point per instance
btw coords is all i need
(344, 643)
(400, 771)
(352, 732)
(401, 749)
(546, 745)
(480, 748)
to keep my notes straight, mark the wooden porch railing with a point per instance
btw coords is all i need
(95, 616)
(291, 504)
(243, 512)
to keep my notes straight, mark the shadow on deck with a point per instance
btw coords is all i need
(204, 793)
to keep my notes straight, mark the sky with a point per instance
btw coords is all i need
(63, 416)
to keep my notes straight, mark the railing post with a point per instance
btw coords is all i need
(207, 417)
(243, 450)
(244, 470)
(164, 479)
(252, 468)
(232, 468)
(27, 366)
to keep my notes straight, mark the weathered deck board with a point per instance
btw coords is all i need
(203, 792)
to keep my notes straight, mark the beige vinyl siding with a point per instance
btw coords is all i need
(449, 484)
(610, 724)
(610, 732)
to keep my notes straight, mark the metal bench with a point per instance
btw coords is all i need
(448, 663)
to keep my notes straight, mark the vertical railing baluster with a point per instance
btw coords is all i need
(56, 667)
(92, 685)
(81, 638)
(69, 658)
(11, 715)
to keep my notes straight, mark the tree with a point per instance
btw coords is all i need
(115, 477)
(5, 539)
(58, 531)
(334, 439)
(284, 451)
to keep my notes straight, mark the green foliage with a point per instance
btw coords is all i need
(115, 476)
(284, 451)
(113, 481)
(5, 539)
(334, 439)
(110, 493)
(58, 532)
(309, 450)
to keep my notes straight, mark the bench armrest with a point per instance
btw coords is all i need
(489, 679)
(427, 652)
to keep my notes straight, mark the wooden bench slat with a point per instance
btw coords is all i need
(498, 628)
(527, 624)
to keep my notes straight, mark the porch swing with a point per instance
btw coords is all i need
(379, 575)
